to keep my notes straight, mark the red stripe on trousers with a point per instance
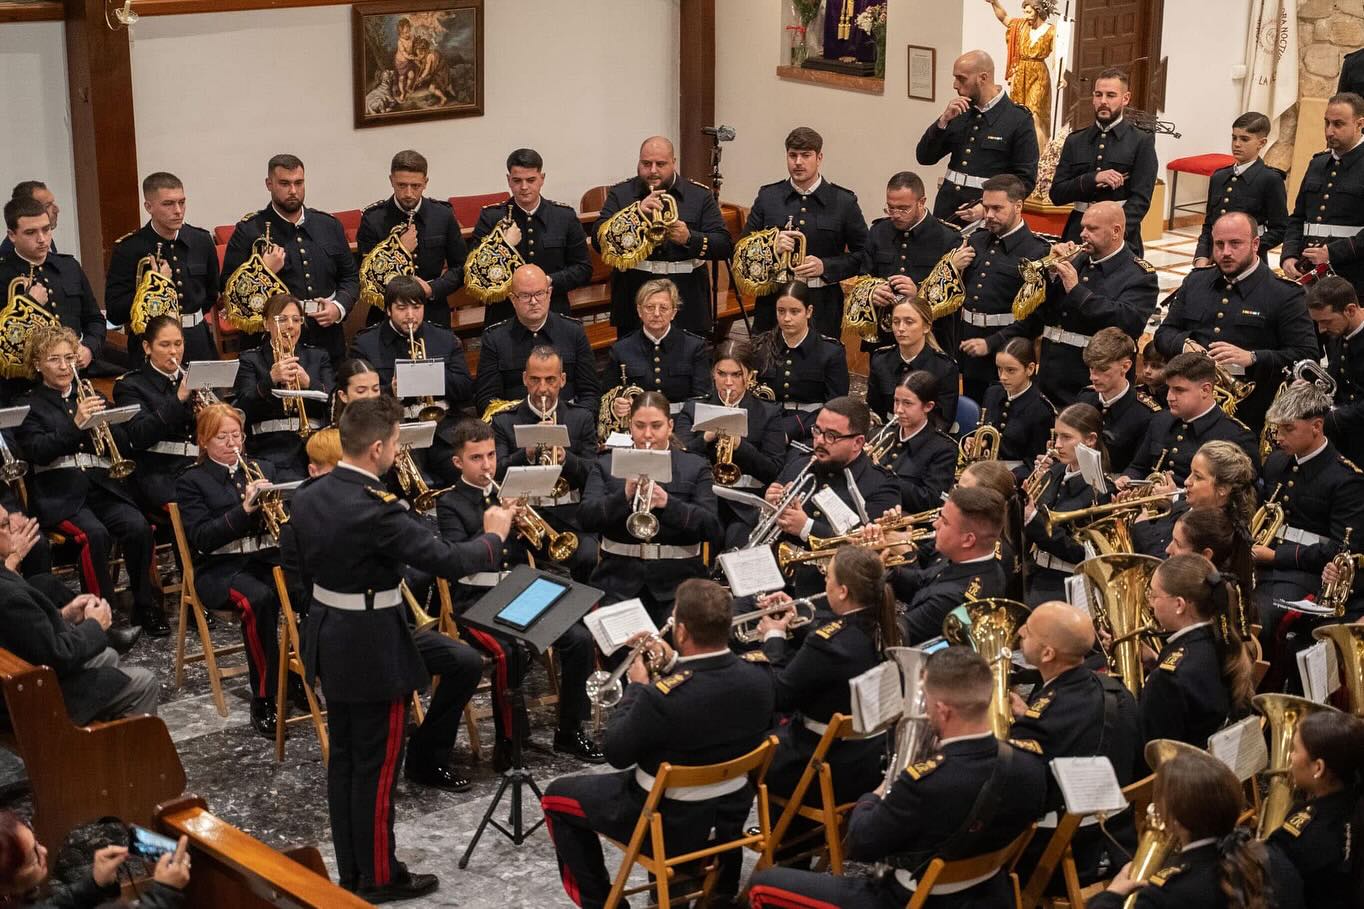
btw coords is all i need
(87, 559)
(397, 713)
(501, 677)
(762, 895)
(561, 804)
(565, 873)
(253, 642)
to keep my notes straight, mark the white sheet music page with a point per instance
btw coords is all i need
(611, 626)
(752, 571)
(876, 697)
(841, 518)
(1088, 785)
(1241, 746)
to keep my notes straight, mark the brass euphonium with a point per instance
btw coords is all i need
(980, 444)
(489, 268)
(725, 471)
(155, 294)
(283, 345)
(249, 287)
(1105, 526)
(1034, 272)
(607, 421)
(102, 435)
(630, 235)
(386, 261)
(990, 627)
(1157, 841)
(1268, 520)
(536, 531)
(271, 503)
(1283, 713)
(430, 412)
(421, 619)
(759, 266)
(1229, 390)
(1117, 585)
(1349, 643)
(22, 314)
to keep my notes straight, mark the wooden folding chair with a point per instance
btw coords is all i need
(191, 604)
(662, 866)
(828, 814)
(291, 663)
(941, 872)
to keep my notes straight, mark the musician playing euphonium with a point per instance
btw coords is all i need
(922, 457)
(1127, 410)
(160, 435)
(273, 424)
(394, 338)
(914, 348)
(802, 367)
(659, 355)
(460, 515)
(930, 804)
(1017, 408)
(234, 555)
(70, 489)
(1057, 485)
(684, 506)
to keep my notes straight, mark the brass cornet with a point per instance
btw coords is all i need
(746, 625)
(536, 531)
(271, 503)
(102, 435)
(1039, 480)
(430, 412)
(980, 444)
(725, 471)
(547, 455)
(1268, 520)
(884, 442)
(284, 346)
(1229, 390)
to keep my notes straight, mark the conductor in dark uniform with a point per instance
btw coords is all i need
(1254, 324)
(829, 217)
(659, 356)
(185, 254)
(1327, 225)
(1112, 160)
(439, 252)
(506, 345)
(972, 795)
(697, 237)
(310, 254)
(712, 707)
(1249, 185)
(543, 232)
(358, 641)
(983, 133)
(1334, 307)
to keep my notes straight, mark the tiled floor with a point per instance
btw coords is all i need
(1172, 256)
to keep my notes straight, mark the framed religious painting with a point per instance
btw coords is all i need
(417, 60)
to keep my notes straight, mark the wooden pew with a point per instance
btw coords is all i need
(233, 870)
(123, 768)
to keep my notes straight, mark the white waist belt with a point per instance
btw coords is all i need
(183, 449)
(906, 880)
(651, 550)
(804, 408)
(412, 410)
(685, 267)
(245, 546)
(748, 481)
(355, 602)
(691, 793)
(572, 497)
(190, 319)
(1050, 819)
(962, 180)
(1047, 560)
(1330, 230)
(819, 728)
(78, 460)
(1301, 537)
(986, 320)
(676, 407)
(1061, 336)
(484, 578)
(282, 425)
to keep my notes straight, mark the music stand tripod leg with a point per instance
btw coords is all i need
(514, 778)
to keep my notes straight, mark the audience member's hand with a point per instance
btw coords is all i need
(101, 613)
(172, 869)
(104, 866)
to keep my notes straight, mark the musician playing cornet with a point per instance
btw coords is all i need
(161, 434)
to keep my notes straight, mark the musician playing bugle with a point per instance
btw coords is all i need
(220, 501)
(922, 457)
(1127, 410)
(974, 795)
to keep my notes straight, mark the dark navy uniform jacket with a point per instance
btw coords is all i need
(924, 467)
(1184, 697)
(256, 398)
(1126, 422)
(760, 454)
(551, 238)
(913, 252)
(578, 457)
(1323, 495)
(1259, 191)
(507, 345)
(1332, 193)
(459, 514)
(440, 253)
(813, 372)
(193, 258)
(1123, 147)
(1318, 839)
(888, 369)
(318, 263)
(69, 296)
(1179, 440)
(678, 365)
(1024, 423)
(931, 593)
(353, 537)
(1061, 494)
(161, 433)
(981, 144)
(210, 499)
(382, 345)
(1345, 423)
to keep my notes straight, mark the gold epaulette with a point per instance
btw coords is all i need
(1036, 708)
(1297, 822)
(1171, 661)
(1027, 745)
(755, 656)
(249, 215)
(830, 629)
(1348, 463)
(124, 237)
(1144, 265)
(923, 768)
(1160, 877)
(382, 495)
(668, 683)
(1149, 402)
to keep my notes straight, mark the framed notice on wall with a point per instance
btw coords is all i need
(923, 68)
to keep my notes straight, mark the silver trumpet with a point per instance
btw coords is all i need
(12, 469)
(746, 626)
(604, 689)
(642, 524)
(797, 493)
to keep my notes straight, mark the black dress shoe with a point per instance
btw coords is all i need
(409, 886)
(439, 776)
(263, 716)
(579, 744)
(153, 622)
(122, 638)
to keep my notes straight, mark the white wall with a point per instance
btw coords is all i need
(35, 143)
(866, 137)
(217, 94)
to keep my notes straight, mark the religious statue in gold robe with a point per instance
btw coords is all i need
(1031, 39)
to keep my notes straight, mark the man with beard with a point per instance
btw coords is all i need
(1334, 307)
(308, 251)
(1112, 160)
(1253, 324)
(1327, 225)
(982, 133)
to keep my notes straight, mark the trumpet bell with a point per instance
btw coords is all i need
(13, 470)
(990, 627)
(603, 689)
(727, 473)
(1349, 644)
(431, 413)
(122, 469)
(642, 525)
(563, 545)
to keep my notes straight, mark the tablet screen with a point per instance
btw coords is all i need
(530, 604)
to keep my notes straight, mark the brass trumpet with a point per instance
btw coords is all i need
(1039, 480)
(271, 502)
(1229, 391)
(604, 689)
(536, 531)
(547, 456)
(1034, 272)
(725, 471)
(796, 493)
(430, 412)
(102, 435)
(284, 346)
(746, 625)
(414, 484)
(1268, 520)
(885, 441)
(980, 444)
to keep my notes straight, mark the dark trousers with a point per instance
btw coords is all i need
(459, 667)
(366, 751)
(574, 651)
(103, 519)
(257, 605)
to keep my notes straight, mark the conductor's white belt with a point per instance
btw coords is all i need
(1330, 230)
(813, 407)
(986, 320)
(79, 459)
(1047, 560)
(1061, 336)
(245, 546)
(282, 425)
(572, 497)
(1048, 821)
(484, 578)
(651, 550)
(906, 880)
(1301, 537)
(684, 267)
(412, 410)
(190, 319)
(819, 728)
(183, 449)
(962, 180)
(356, 602)
(691, 793)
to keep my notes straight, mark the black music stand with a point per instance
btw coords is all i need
(717, 180)
(574, 602)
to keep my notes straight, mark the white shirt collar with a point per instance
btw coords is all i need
(171, 239)
(486, 490)
(171, 376)
(1303, 459)
(1121, 247)
(1237, 279)
(1211, 408)
(964, 738)
(1021, 393)
(302, 213)
(922, 427)
(1108, 402)
(30, 261)
(1354, 331)
(922, 219)
(1199, 844)
(819, 181)
(534, 328)
(659, 339)
(230, 468)
(1013, 230)
(541, 413)
(799, 342)
(993, 101)
(1239, 169)
(1183, 631)
(985, 558)
(1069, 472)
(702, 656)
(530, 212)
(359, 470)
(1105, 129)
(913, 358)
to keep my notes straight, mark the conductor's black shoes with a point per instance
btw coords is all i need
(406, 887)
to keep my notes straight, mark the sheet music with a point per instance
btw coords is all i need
(211, 374)
(528, 435)
(841, 518)
(733, 420)
(11, 417)
(417, 435)
(743, 498)
(1320, 675)
(111, 416)
(1088, 785)
(752, 571)
(619, 440)
(1241, 746)
(612, 626)
(1091, 468)
(1077, 593)
(629, 463)
(533, 480)
(876, 697)
(420, 378)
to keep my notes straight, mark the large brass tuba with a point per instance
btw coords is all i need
(1117, 596)
(20, 316)
(250, 286)
(488, 270)
(630, 236)
(155, 294)
(758, 267)
(1349, 644)
(862, 315)
(1156, 841)
(1282, 713)
(386, 261)
(990, 626)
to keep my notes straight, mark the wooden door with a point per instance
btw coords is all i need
(1121, 33)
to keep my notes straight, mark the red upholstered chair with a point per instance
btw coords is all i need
(1204, 166)
(221, 234)
(350, 222)
(467, 207)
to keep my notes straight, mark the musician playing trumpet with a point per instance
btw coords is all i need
(161, 434)
(922, 457)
